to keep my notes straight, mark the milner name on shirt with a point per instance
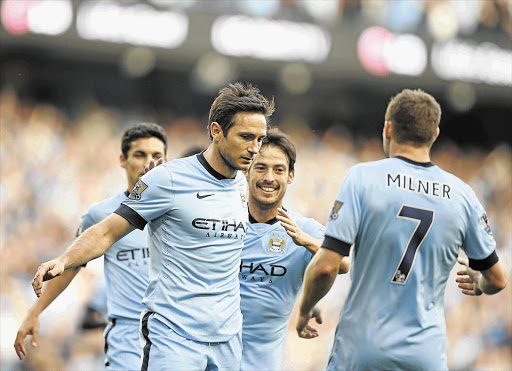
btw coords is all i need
(427, 187)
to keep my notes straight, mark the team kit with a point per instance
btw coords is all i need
(204, 262)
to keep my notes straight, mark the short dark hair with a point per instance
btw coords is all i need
(415, 116)
(236, 98)
(276, 137)
(142, 130)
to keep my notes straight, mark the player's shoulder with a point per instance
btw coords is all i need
(457, 183)
(367, 169)
(99, 210)
(181, 165)
(368, 165)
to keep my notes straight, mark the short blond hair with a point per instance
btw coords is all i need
(415, 116)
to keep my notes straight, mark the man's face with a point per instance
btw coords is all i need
(141, 152)
(243, 140)
(269, 176)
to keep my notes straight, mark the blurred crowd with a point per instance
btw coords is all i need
(54, 166)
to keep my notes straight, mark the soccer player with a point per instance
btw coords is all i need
(196, 208)
(278, 247)
(406, 219)
(126, 262)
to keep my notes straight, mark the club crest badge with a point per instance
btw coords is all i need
(487, 225)
(136, 193)
(334, 212)
(276, 243)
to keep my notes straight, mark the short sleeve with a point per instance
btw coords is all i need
(479, 243)
(345, 216)
(152, 195)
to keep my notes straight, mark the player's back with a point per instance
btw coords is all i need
(411, 219)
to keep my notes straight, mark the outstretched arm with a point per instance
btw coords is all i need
(474, 283)
(320, 276)
(90, 245)
(30, 324)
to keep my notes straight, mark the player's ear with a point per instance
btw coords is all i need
(388, 130)
(216, 131)
(122, 161)
(437, 133)
(291, 176)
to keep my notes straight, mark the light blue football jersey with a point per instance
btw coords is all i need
(271, 277)
(126, 263)
(197, 224)
(406, 222)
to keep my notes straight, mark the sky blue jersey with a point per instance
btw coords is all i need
(197, 224)
(406, 222)
(126, 263)
(271, 277)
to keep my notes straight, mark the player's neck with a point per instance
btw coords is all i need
(417, 154)
(262, 215)
(215, 160)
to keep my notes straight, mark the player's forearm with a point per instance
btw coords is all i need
(317, 284)
(311, 243)
(95, 241)
(52, 290)
(493, 280)
(90, 245)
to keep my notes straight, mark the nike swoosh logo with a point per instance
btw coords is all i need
(203, 196)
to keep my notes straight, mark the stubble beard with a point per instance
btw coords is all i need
(233, 166)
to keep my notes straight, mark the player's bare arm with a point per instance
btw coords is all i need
(30, 324)
(302, 238)
(320, 276)
(475, 283)
(90, 245)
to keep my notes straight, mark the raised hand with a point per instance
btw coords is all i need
(299, 237)
(152, 164)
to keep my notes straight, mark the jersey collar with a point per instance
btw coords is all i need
(252, 220)
(207, 166)
(424, 164)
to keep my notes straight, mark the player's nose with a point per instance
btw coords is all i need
(254, 147)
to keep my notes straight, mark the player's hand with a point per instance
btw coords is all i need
(30, 326)
(304, 330)
(468, 279)
(298, 236)
(152, 164)
(46, 272)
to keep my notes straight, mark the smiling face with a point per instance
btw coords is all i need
(242, 142)
(268, 177)
(142, 151)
